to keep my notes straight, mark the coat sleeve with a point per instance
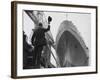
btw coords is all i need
(45, 30)
(32, 40)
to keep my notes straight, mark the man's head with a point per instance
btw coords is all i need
(40, 24)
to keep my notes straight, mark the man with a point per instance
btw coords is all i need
(39, 41)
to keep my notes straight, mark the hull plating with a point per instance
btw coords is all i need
(70, 47)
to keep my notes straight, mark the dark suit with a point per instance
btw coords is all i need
(38, 41)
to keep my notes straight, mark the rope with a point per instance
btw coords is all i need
(58, 65)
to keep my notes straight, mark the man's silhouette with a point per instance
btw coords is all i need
(39, 41)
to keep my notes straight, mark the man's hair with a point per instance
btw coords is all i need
(40, 24)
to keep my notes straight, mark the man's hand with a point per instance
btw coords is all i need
(49, 19)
